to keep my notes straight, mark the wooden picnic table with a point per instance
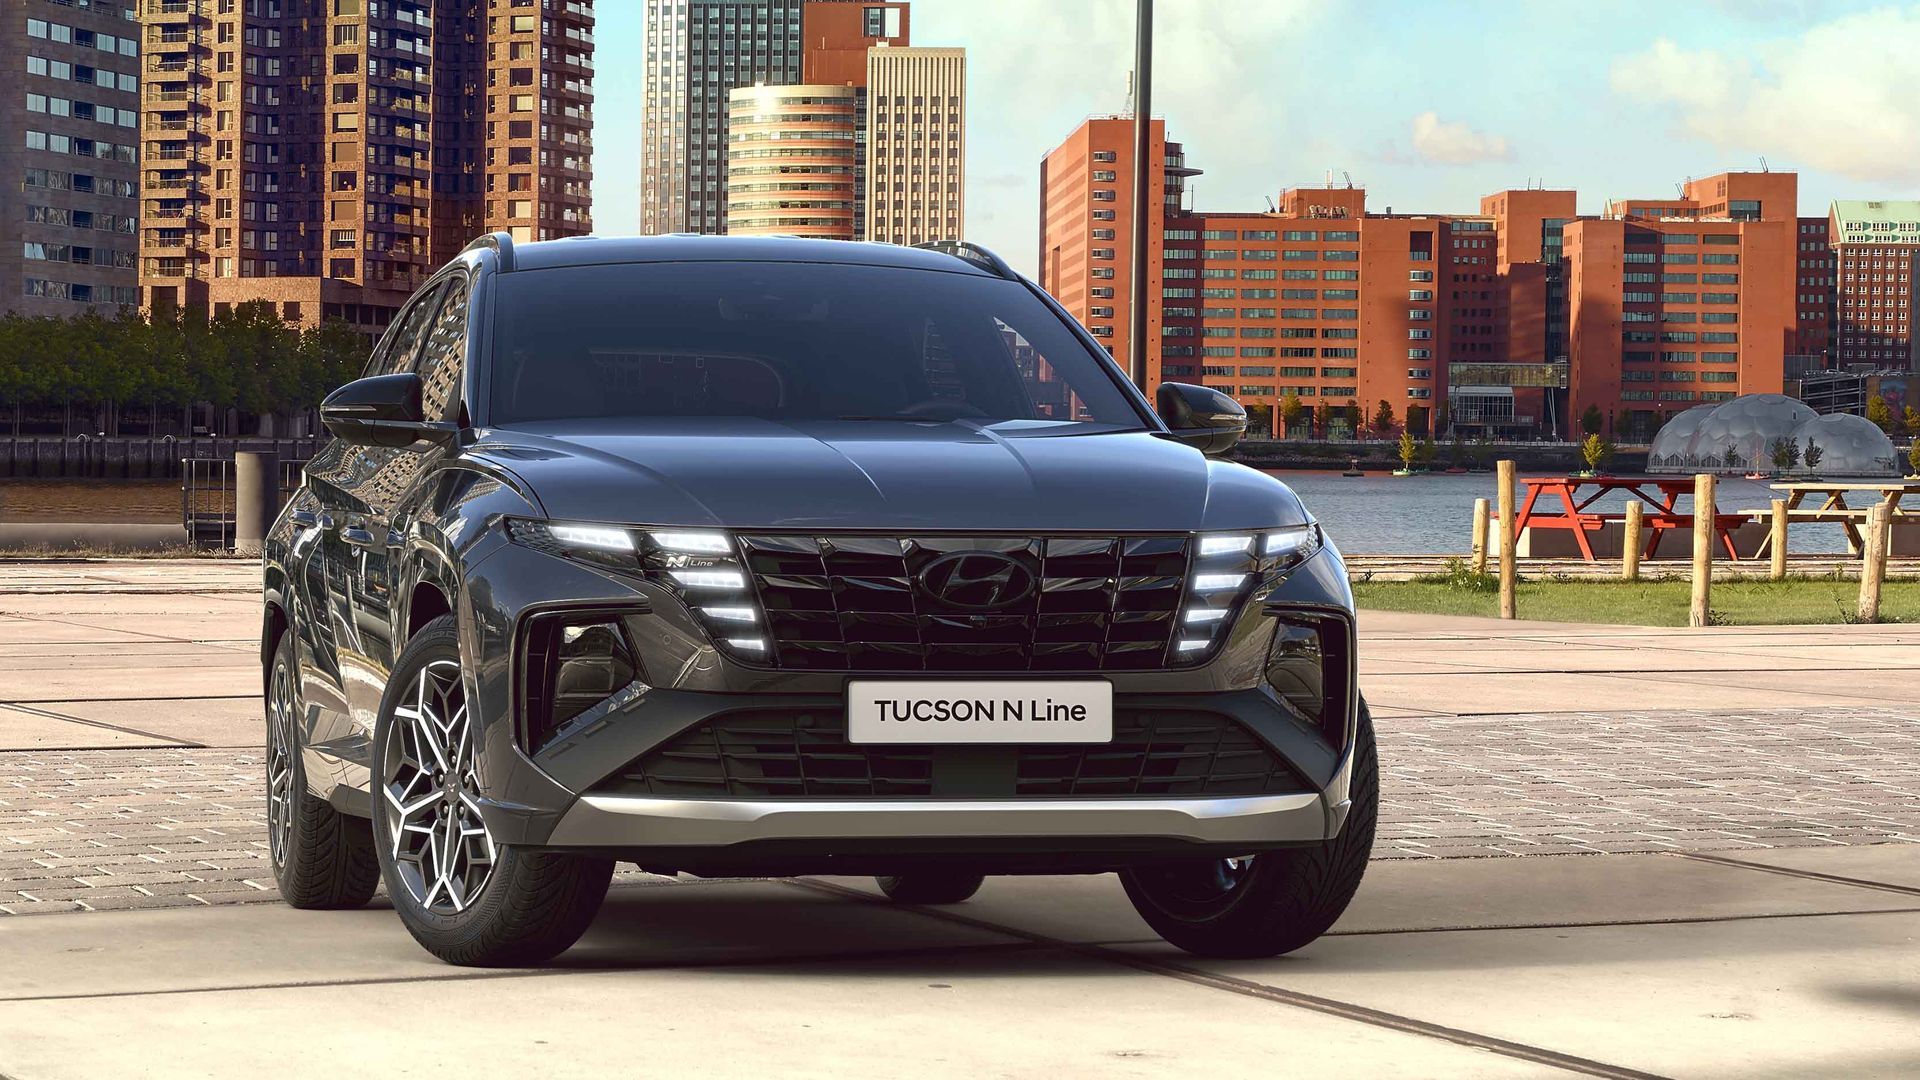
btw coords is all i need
(1660, 494)
(1833, 507)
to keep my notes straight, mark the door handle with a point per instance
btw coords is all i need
(358, 537)
(306, 519)
(327, 522)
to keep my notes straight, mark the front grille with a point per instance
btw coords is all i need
(861, 603)
(784, 753)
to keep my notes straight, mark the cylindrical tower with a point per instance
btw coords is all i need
(790, 161)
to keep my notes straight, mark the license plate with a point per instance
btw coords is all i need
(976, 711)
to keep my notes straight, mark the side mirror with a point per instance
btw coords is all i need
(1200, 416)
(382, 410)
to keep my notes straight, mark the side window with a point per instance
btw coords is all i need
(397, 349)
(443, 357)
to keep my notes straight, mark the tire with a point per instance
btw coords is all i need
(1271, 903)
(473, 903)
(322, 859)
(931, 886)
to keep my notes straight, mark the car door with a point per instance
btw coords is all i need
(354, 551)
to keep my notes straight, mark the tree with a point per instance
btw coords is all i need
(1911, 421)
(1383, 417)
(1880, 414)
(1353, 418)
(1732, 458)
(1409, 451)
(1291, 410)
(1429, 451)
(1913, 457)
(1812, 455)
(1595, 451)
(1786, 453)
(1591, 420)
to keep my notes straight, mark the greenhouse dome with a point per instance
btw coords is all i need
(1849, 446)
(1674, 442)
(1738, 436)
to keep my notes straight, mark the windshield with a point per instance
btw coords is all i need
(791, 341)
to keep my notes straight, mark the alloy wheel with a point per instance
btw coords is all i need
(441, 849)
(281, 746)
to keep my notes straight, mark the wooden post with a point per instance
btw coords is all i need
(1630, 541)
(1702, 548)
(1509, 540)
(1778, 571)
(1873, 563)
(1479, 536)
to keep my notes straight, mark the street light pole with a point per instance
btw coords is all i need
(1142, 178)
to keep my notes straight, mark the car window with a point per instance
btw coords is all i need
(442, 359)
(791, 341)
(397, 349)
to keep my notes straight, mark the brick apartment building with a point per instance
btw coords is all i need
(327, 155)
(68, 241)
(1678, 302)
(1262, 305)
(1511, 322)
(1876, 251)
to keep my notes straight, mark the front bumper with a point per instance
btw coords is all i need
(602, 821)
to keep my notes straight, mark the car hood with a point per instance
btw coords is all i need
(749, 473)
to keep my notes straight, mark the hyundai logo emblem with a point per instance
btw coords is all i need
(977, 580)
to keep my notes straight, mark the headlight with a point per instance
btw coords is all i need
(1224, 570)
(700, 566)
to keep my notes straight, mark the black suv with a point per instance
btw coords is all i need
(733, 556)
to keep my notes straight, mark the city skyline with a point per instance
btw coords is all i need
(1630, 108)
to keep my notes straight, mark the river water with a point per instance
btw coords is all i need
(1376, 514)
(1382, 514)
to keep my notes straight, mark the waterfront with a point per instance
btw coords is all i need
(1375, 514)
(1380, 514)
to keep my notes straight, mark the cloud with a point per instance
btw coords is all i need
(1442, 142)
(1839, 97)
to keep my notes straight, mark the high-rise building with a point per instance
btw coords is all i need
(1673, 303)
(916, 144)
(698, 52)
(1812, 347)
(68, 240)
(790, 161)
(326, 157)
(1086, 228)
(1317, 300)
(1875, 248)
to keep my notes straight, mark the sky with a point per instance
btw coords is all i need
(1428, 105)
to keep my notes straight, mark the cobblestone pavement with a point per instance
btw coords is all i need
(111, 829)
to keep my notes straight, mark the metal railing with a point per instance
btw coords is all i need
(207, 504)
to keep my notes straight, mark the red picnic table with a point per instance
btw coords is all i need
(1658, 494)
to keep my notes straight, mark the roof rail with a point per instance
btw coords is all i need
(501, 243)
(974, 254)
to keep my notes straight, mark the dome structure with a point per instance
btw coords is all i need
(1674, 442)
(1849, 446)
(1738, 436)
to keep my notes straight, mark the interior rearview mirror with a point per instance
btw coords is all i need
(1200, 416)
(382, 410)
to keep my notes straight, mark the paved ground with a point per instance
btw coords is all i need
(1765, 921)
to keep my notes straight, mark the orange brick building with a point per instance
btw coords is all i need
(1510, 322)
(1261, 305)
(1672, 303)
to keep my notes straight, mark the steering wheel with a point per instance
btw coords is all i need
(942, 409)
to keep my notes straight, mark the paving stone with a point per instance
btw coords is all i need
(91, 829)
